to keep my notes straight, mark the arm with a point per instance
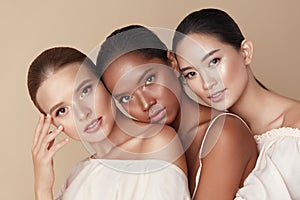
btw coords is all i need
(43, 152)
(228, 151)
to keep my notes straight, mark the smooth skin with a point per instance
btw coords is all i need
(141, 85)
(163, 145)
(43, 152)
(268, 110)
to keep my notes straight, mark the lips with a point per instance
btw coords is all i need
(93, 126)
(217, 96)
(157, 114)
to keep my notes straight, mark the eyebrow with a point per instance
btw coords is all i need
(77, 89)
(117, 96)
(185, 68)
(82, 84)
(209, 54)
(143, 75)
(55, 107)
(203, 59)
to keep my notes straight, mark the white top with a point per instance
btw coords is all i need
(94, 179)
(276, 175)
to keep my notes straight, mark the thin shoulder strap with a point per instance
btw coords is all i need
(202, 144)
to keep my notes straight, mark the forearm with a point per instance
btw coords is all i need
(43, 194)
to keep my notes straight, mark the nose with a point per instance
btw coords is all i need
(145, 100)
(82, 112)
(209, 80)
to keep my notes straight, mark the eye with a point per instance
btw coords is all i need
(61, 111)
(149, 79)
(214, 62)
(190, 74)
(125, 99)
(85, 91)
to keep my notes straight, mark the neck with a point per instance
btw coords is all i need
(255, 106)
(111, 145)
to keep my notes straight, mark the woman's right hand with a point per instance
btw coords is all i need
(43, 151)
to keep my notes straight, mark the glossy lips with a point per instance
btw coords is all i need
(157, 113)
(217, 96)
(93, 126)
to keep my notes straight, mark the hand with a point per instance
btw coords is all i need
(43, 151)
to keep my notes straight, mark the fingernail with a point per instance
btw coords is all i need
(48, 115)
(60, 127)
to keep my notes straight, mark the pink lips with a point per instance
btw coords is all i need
(93, 126)
(157, 115)
(217, 96)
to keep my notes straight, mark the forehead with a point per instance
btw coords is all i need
(193, 47)
(126, 70)
(59, 86)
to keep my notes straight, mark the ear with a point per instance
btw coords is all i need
(247, 51)
(173, 62)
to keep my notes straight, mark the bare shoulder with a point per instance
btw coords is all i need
(228, 132)
(163, 136)
(292, 115)
(228, 155)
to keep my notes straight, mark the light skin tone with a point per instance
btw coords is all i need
(141, 85)
(235, 83)
(95, 123)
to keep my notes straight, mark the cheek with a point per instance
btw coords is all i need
(135, 110)
(102, 102)
(231, 72)
(196, 86)
(69, 127)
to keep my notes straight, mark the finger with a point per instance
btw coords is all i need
(44, 131)
(46, 127)
(38, 129)
(51, 142)
(57, 147)
(46, 145)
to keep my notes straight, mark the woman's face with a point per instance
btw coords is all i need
(76, 99)
(147, 89)
(214, 70)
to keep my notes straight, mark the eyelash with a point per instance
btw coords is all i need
(88, 88)
(122, 98)
(189, 74)
(214, 62)
(57, 113)
(148, 81)
(151, 77)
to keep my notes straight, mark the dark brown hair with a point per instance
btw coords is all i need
(135, 39)
(49, 62)
(214, 22)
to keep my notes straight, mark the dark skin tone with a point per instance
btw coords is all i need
(142, 94)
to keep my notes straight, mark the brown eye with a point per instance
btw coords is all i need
(214, 62)
(61, 111)
(190, 74)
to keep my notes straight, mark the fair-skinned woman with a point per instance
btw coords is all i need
(131, 160)
(214, 59)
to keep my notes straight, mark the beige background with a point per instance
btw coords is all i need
(28, 27)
